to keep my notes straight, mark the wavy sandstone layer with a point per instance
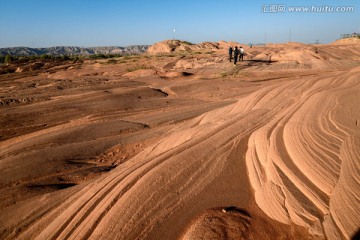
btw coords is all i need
(304, 163)
(266, 149)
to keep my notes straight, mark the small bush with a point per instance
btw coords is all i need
(224, 74)
(169, 55)
(45, 56)
(97, 56)
(138, 67)
(8, 59)
(187, 43)
(65, 57)
(24, 59)
(111, 61)
(232, 73)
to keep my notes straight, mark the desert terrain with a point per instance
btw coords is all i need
(178, 143)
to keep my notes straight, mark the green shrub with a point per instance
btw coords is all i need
(111, 61)
(7, 59)
(186, 42)
(23, 59)
(65, 57)
(104, 56)
(45, 56)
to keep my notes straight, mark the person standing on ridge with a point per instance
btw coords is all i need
(230, 53)
(241, 51)
(236, 54)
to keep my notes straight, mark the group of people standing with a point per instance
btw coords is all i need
(238, 54)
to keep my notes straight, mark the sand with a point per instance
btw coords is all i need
(184, 145)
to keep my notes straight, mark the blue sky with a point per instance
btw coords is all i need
(45, 23)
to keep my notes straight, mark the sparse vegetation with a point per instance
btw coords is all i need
(23, 59)
(111, 61)
(66, 57)
(236, 72)
(7, 59)
(138, 67)
(126, 58)
(45, 56)
(186, 42)
(75, 58)
(169, 55)
(10, 64)
(103, 56)
(224, 74)
(233, 72)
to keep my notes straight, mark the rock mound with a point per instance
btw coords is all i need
(236, 223)
(347, 41)
(286, 56)
(169, 46)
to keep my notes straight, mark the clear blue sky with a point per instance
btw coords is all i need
(45, 23)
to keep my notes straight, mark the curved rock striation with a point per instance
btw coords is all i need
(304, 163)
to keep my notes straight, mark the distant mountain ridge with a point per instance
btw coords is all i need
(69, 50)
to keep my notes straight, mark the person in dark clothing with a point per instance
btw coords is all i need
(236, 54)
(230, 53)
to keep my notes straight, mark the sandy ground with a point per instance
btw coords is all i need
(184, 145)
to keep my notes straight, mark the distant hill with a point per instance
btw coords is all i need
(63, 50)
(345, 41)
(169, 46)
